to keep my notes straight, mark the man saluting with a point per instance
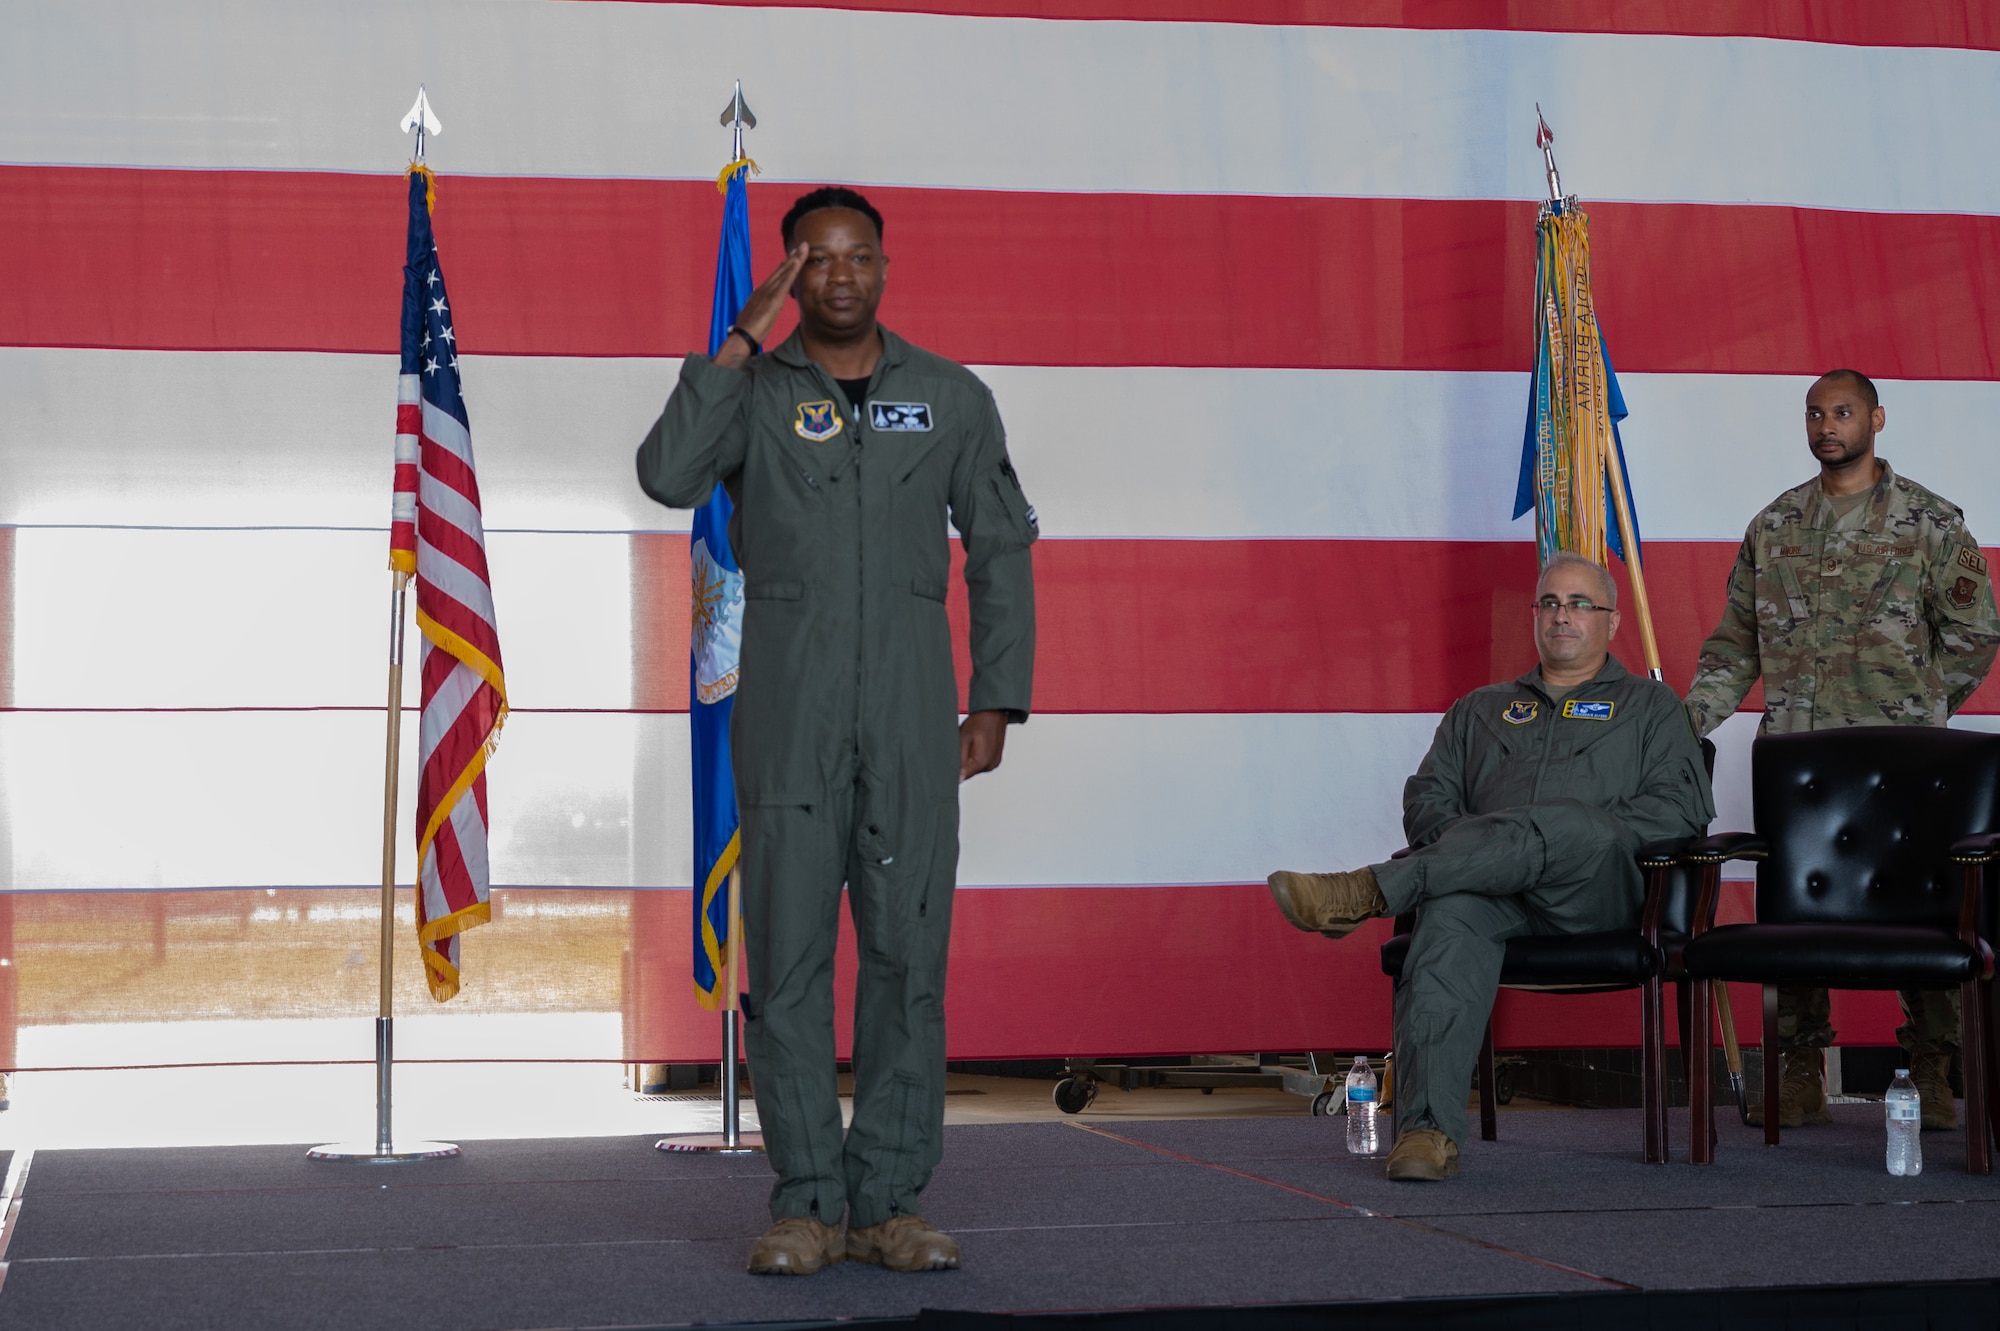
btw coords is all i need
(845, 449)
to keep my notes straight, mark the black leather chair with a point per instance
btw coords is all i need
(1642, 958)
(1871, 849)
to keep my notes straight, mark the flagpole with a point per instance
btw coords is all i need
(736, 117)
(383, 1150)
(1628, 528)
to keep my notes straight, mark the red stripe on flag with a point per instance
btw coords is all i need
(455, 750)
(454, 542)
(454, 877)
(286, 260)
(1264, 626)
(1163, 976)
(448, 468)
(1948, 23)
(409, 418)
(453, 615)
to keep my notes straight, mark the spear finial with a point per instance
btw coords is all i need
(422, 119)
(1545, 139)
(737, 117)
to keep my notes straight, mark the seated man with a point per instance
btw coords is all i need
(1523, 819)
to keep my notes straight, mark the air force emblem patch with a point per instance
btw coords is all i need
(900, 415)
(1522, 712)
(1576, 710)
(817, 421)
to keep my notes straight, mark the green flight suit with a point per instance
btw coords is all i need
(845, 730)
(1524, 818)
(1881, 615)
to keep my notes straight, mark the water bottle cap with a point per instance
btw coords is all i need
(1900, 1072)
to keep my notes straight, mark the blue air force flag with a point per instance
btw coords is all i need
(715, 641)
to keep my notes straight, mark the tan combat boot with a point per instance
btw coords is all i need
(1801, 1092)
(1930, 1069)
(1335, 904)
(903, 1243)
(1423, 1155)
(796, 1246)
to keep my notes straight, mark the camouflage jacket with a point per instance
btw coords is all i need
(1887, 619)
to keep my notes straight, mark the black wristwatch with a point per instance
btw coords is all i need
(737, 330)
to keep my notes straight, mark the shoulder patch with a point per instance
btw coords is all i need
(1972, 559)
(1578, 710)
(1963, 593)
(1521, 712)
(900, 415)
(817, 421)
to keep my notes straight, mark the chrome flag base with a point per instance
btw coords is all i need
(714, 1143)
(370, 1153)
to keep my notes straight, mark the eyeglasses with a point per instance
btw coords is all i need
(1576, 605)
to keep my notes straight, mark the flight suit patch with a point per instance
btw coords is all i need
(1588, 711)
(1520, 713)
(1973, 561)
(900, 415)
(1963, 593)
(817, 421)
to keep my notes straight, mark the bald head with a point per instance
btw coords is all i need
(1607, 590)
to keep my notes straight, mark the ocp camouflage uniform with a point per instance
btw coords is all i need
(1883, 615)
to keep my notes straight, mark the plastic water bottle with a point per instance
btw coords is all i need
(1364, 1131)
(1905, 1112)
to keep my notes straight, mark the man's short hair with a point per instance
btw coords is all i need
(1564, 559)
(829, 196)
(1862, 385)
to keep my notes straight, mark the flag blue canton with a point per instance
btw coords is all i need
(430, 347)
(718, 610)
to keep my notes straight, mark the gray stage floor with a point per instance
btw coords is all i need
(607, 1232)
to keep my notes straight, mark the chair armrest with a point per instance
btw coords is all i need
(1975, 849)
(1726, 846)
(1660, 854)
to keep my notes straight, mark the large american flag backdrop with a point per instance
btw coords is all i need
(1251, 282)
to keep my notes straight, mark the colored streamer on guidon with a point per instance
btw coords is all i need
(436, 532)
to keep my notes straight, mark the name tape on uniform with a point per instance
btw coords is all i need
(900, 415)
(1587, 711)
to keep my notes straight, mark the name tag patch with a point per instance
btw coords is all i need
(900, 415)
(817, 421)
(1587, 711)
(1520, 713)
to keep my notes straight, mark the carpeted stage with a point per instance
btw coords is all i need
(1240, 1222)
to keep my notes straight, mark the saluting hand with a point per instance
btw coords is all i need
(760, 313)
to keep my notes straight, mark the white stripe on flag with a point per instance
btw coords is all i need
(1171, 107)
(1342, 454)
(455, 580)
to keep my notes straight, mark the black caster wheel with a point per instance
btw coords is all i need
(1073, 1095)
(1503, 1088)
(1323, 1104)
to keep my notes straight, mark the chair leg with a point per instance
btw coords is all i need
(1771, 1061)
(1986, 1013)
(1694, 1050)
(1488, 1131)
(1973, 1049)
(1653, 1071)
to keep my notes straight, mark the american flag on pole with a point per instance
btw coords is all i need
(436, 533)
